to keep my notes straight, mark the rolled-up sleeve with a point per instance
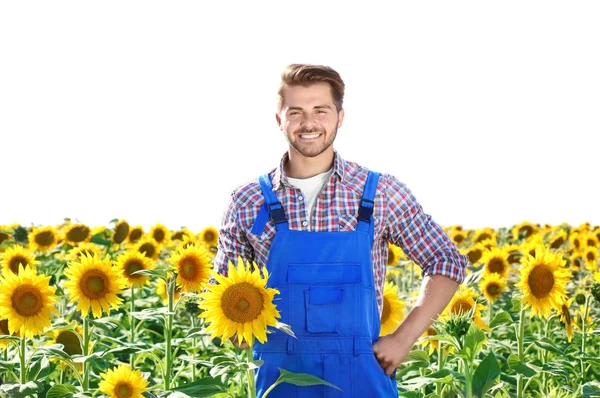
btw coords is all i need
(232, 241)
(421, 238)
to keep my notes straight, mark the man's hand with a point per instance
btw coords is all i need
(390, 351)
(234, 340)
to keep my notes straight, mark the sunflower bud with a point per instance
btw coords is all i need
(20, 235)
(580, 298)
(191, 306)
(457, 326)
(596, 291)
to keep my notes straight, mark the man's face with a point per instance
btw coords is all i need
(309, 119)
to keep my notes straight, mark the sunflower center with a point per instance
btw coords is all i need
(458, 238)
(44, 238)
(147, 249)
(78, 234)
(94, 284)
(461, 306)
(242, 302)
(4, 327)
(576, 243)
(591, 256)
(391, 257)
(566, 314)
(14, 263)
(496, 265)
(27, 300)
(526, 231)
(135, 235)
(177, 235)
(483, 237)
(123, 390)
(474, 255)
(131, 266)
(159, 235)
(209, 236)
(557, 242)
(514, 257)
(387, 311)
(188, 268)
(493, 289)
(541, 281)
(121, 232)
(70, 341)
(3, 237)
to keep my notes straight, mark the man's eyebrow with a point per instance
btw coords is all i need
(322, 107)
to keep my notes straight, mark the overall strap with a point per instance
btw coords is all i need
(271, 208)
(365, 212)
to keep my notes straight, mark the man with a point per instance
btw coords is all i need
(321, 226)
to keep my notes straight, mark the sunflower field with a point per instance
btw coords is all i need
(117, 311)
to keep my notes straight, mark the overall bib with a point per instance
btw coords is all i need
(327, 296)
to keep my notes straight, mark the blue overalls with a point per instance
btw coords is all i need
(327, 296)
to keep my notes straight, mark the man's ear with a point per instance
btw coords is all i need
(278, 119)
(340, 117)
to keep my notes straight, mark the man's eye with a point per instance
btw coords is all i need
(321, 111)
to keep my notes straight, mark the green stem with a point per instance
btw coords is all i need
(268, 390)
(468, 377)
(250, 374)
(168, 334)
(132, 324)
(22, 357)
(193, 350)
(438, 385)
(86, 352)
(520, 338)
(583, 332)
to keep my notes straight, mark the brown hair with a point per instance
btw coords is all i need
(306, 75)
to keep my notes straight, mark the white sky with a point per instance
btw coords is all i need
(155, 111)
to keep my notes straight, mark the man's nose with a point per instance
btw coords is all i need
(308, 121)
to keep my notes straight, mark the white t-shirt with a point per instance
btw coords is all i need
(311, 188)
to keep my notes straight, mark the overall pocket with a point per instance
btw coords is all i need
(323, 307)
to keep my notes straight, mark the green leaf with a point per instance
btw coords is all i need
(158, 272)
(473, 341)
(419, 358)
(500, 318)
(15, 390)
(61, 391)
(302, 379)
(10, 338)
(99, 240)
(285, 328)
(549, 345)
(485, 375)
(205, 387)
(591, 388)
(441, 376)
(36, 366)
(520, 367)
(411, 394)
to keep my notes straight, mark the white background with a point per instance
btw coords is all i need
(155, 111)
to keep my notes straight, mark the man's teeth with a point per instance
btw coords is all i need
(310, 135)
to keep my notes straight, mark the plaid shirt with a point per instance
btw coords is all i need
(398, 219)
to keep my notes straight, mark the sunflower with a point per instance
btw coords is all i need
(591, 240)
(393, 309)
(160, 234)
(484, 234)
(132, 261)
(192, 266)
(462, 302)
(161, 290)
(239, 304)
(15, 256)
(514, 253)
(543, 281)
(148, 247)
(5, 233)
(71, 339)
(590, 256)
(495, 260)
(210, 236)
(26, 300)
(576, 240)
(565, 317)
(84, 248)
(77, 233)
(135, 234)
(5, 332)
(121, 232)
(43, 239)
(523, 230)
(492, 286)
(458, 236)
(182, 235)
(576, 261)
(94, 283)
(474, 253)
(123, 382)
(434, 345)
(394, 254)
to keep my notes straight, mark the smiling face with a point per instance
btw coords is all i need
(309, 119)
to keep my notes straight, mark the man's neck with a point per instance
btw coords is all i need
(299, 166)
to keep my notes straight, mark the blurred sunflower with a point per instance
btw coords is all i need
(524, 230)
(210, 236)
(123, 382)
(394, 254)
(16, 256)
(474, 253)
(590, 256)
(5, 332)
(77, 233)
(121, 232)
(161, 290)
(27, 301)
(135, 234)
(43, 239)
(495, 260)
(182, 235)
(458, 236)
(94, 283)
(484, 234)
(557, 239)
(434, 345)
(148, 247)
(492, 286)
(84, 248)
(132, 261)
(462, 302)
(565, 317)
(576, 240)
(576, 261)
(5, 233)
(590, 240)
(192, 266)
(393, 310)
(543, 281)
(514, 253)
(160, 234)
(239, 304)
(71, 340)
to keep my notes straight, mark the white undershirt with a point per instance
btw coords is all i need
(311, 188)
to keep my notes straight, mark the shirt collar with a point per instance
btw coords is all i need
(280, 178)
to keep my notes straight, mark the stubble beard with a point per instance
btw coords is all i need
(312, 151)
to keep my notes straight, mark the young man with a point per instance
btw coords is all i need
(321, 226)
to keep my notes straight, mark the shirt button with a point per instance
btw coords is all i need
(300, 197)
(304, 223)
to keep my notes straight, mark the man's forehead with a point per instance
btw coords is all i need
(297, 95)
